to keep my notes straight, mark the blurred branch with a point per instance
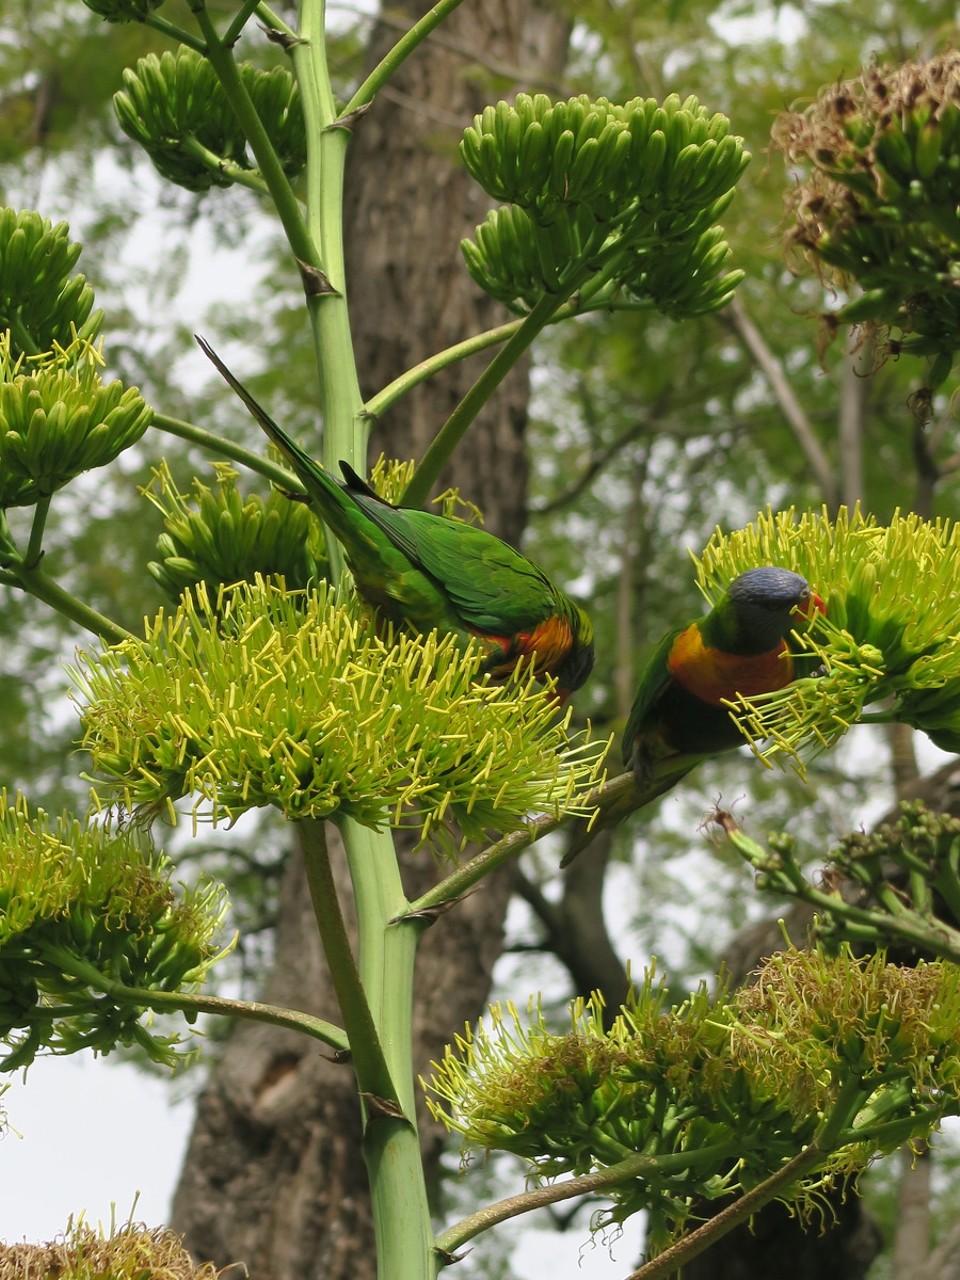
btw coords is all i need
(797, 420)
(854, 395)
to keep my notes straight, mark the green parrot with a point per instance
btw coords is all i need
(678, 718)
(426, 572)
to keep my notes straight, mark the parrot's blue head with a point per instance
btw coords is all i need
(763, 605)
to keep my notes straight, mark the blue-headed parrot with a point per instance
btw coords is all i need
(678, 718)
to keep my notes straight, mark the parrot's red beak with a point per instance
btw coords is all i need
(813, 604)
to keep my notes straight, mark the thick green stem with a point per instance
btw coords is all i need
(287, 205)
(382, 72)
(369, 1062)
(391, 1144)
(376, 1000)
(344, 425)
(387, 950)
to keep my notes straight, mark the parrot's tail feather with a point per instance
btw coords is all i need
(257, 410)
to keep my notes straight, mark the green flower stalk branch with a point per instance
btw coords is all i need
(192, 1005)
(388, 64)
(278, 475)
(898, 886)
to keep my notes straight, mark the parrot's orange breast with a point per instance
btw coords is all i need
(713, 676)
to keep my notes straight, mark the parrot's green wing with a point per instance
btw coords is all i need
(501, 592)
(428, 564)
(654, 678)
(330, 499)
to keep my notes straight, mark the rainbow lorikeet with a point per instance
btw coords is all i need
(678, 718)
(739, 647)
(427, 572)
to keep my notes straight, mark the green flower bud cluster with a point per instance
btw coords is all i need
(891, 631)
(81, 904)
(175, 107)
(217, 537)
(880, 205)
(717, 1092)
(270, 696)
(596, 189)
(58, 419)
(41, 304)
(909, 870)
(123, 10)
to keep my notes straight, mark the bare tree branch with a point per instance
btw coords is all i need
(854, 394)
(798, 422)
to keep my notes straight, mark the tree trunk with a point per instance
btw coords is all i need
(274, 1175)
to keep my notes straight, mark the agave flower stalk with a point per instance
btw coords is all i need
(85, 906)
(878, 203)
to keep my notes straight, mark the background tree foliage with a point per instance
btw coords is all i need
(643, 435)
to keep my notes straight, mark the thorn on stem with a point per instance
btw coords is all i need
(315, 282)
(351, 118)
(285, 39)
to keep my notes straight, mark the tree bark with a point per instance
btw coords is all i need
(274, 1175)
